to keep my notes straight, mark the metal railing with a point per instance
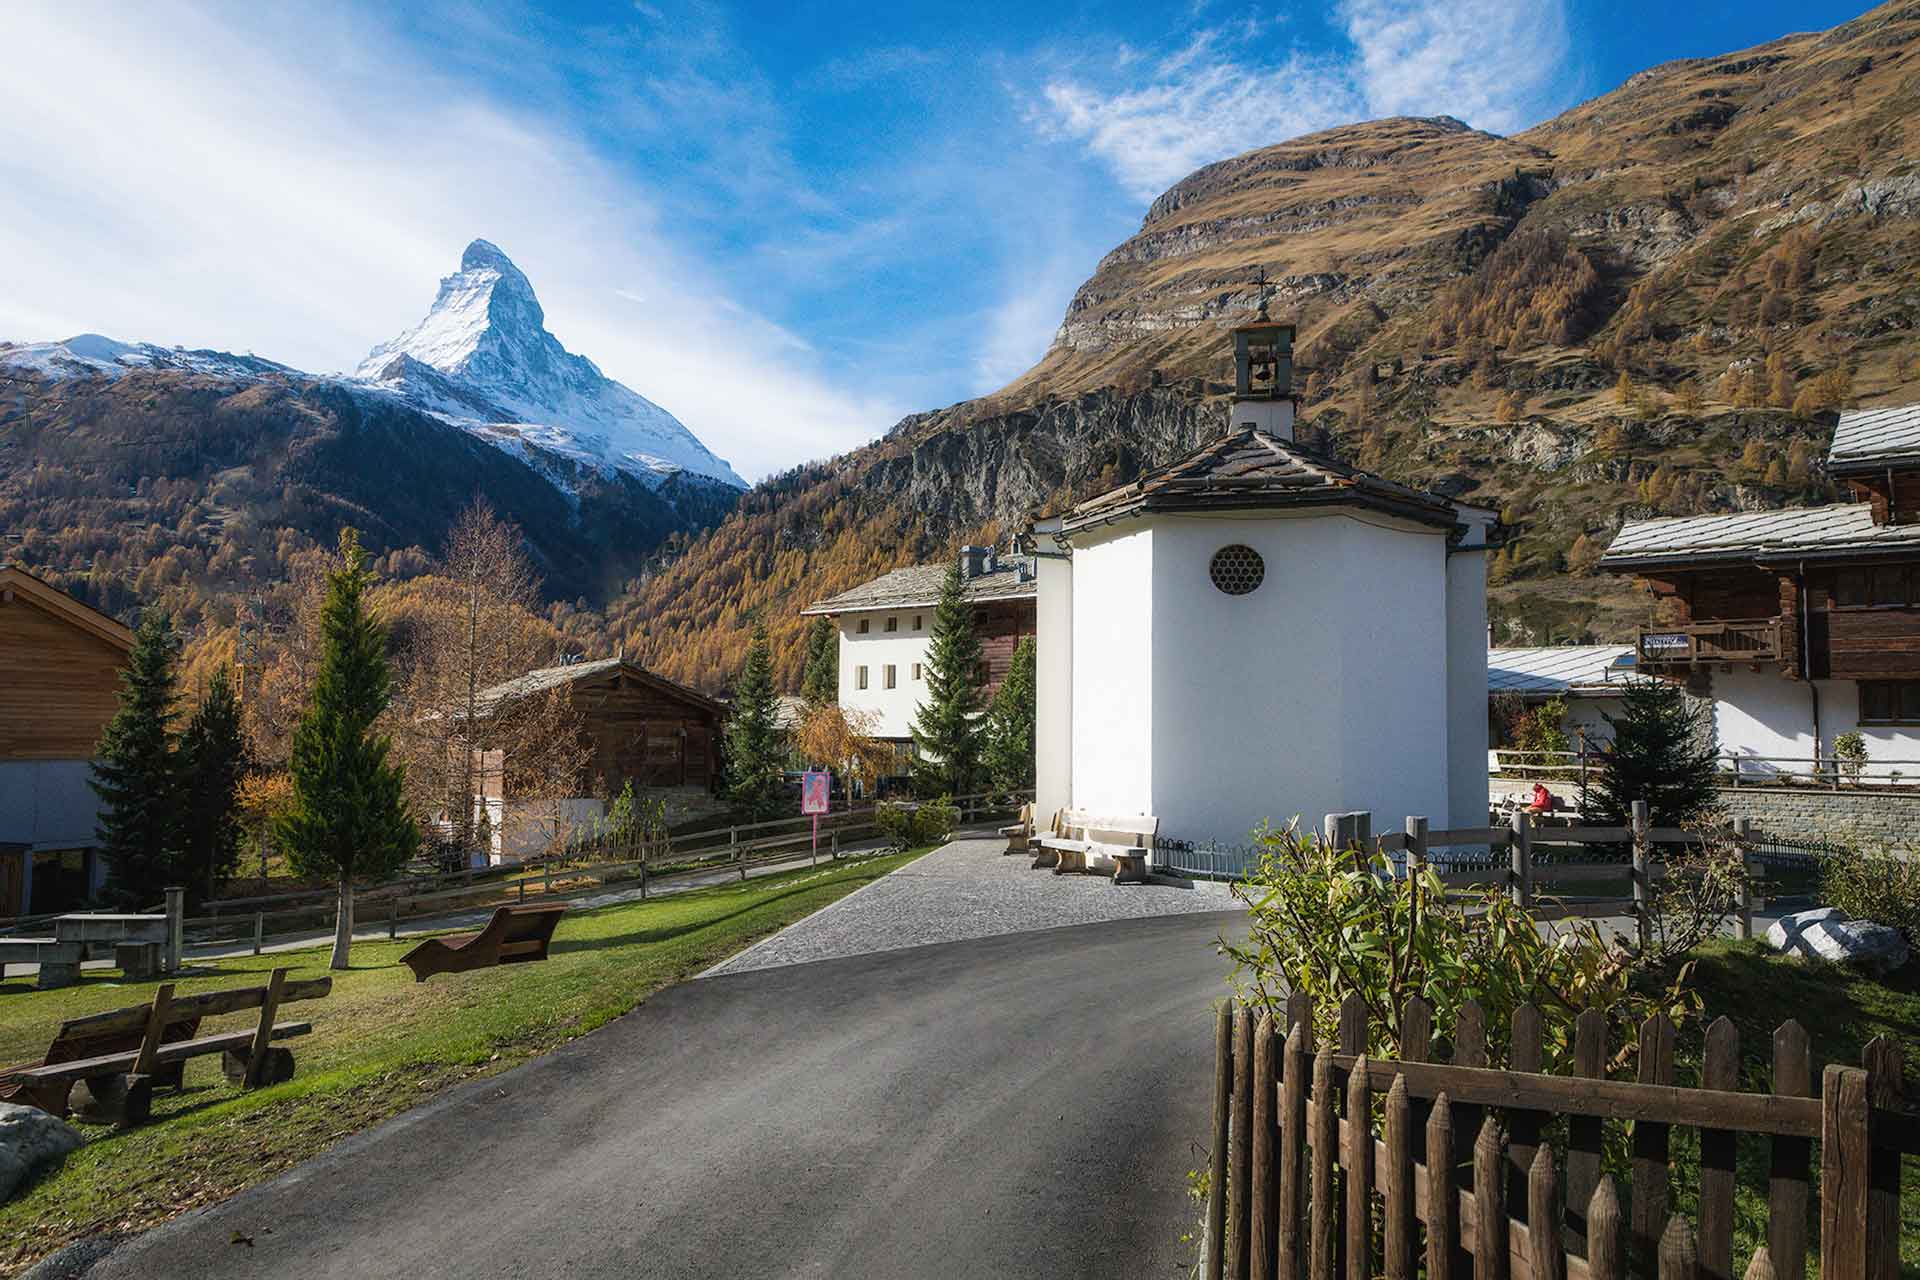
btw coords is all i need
(1834, 773)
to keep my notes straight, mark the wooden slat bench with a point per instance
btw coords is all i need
(147, 1046)
(513, 936)
(1020, 832)
(1087, 840)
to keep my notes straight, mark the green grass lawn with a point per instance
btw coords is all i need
(381, 1043)
(1758, 989)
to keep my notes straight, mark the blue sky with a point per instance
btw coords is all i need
(788, 223)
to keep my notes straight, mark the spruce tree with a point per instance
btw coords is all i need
(820, 677)
(756, 747)
(136, 772)
(946, 730)
(1662, 752)
(347, 816)
(1009, 733)
(213, 759)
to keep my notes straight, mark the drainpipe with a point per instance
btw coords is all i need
(1806, 661)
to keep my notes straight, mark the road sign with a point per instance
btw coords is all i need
(813, 791)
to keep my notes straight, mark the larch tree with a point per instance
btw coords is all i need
(348, 815)
(136, 771)
(756, 747)
(946, 729)
(1009, 755)
(214, 758)
(820, 675)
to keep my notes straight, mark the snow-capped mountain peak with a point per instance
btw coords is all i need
(493, 365)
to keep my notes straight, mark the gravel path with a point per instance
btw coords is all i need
(967, 889)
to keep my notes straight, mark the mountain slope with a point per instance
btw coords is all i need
(1649, 304)
(132, 473)
(482, 358)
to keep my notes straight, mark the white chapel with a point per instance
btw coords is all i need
(1260, 632)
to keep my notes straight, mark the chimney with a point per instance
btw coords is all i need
(974, 561)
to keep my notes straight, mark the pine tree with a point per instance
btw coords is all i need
(1009, 755)
(347, 816)
(756, 748)
(136, 772)
(946, 736)
(820, 674)
(214, 758)
(1662, 752)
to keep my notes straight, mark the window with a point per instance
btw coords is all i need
(859, 677)
(887, 674)
(893, 624)
(916, 671)
(1890, 702)
(865, 623)
(1850, 587)
(1889, 585)
(916, 622)
(1237, 570)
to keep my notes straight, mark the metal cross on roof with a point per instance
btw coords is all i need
(1265, 290)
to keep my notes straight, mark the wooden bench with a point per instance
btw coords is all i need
(1089, 840)
(513, 936)
(1020, 832)
(124, 1054)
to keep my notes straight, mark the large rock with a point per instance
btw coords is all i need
(30, 1139)
(1827, 932)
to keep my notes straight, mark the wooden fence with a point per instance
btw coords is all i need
(1329, 1164)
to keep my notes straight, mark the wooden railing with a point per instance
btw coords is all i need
(1722, 640)
(1305, 1183)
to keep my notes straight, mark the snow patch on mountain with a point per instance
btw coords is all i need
(483, 359)
(91, 354)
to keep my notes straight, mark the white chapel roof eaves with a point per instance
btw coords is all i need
(1869, 439)
(1568, 668)
(1838, 531)
(918, 587)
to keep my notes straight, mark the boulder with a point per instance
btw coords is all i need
(1830, 934)
(31, 1139)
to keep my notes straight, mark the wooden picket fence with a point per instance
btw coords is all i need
(1311, 1181)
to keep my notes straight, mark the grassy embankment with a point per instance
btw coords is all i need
(380, 1044)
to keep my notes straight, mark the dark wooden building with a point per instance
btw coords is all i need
(642, 727)
(60, 664)
(1801, 624)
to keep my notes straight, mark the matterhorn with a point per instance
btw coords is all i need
(482, 359)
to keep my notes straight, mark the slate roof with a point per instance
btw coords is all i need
(1566, 668)
(1840, 531)
(545, 679)
(918, 586)
(1870, 439)
(1251, 470)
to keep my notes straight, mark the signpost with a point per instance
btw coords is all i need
(815, 798)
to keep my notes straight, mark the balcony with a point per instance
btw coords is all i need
(1722, 640)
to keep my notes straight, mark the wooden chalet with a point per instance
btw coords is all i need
(642, 727)
(60, 664)
(1823, 598)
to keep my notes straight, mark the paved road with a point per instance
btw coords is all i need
(1022, 1105)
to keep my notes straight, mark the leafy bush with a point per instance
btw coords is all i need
(1327, 922)
(1874, 884)
(1850, 750)
(935, 821)
(896, 824)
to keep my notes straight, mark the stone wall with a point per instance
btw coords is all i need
(1873, 817)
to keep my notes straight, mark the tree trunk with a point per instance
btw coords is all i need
(343, 926)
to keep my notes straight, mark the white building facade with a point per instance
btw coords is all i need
(1257, 633)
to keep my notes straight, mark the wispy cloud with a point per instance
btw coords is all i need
(1151, 121)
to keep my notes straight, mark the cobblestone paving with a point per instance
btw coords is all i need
(967, 889)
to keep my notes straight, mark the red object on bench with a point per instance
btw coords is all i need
(513, 936)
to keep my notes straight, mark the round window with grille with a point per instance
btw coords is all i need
(1237, 570)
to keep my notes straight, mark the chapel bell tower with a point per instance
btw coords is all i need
(1263, 373)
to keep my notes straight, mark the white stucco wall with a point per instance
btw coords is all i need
(1466, 630)
(895, 708)
(1112, 672)
(1053, 677)
(1324, 690)
(1759, 714)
